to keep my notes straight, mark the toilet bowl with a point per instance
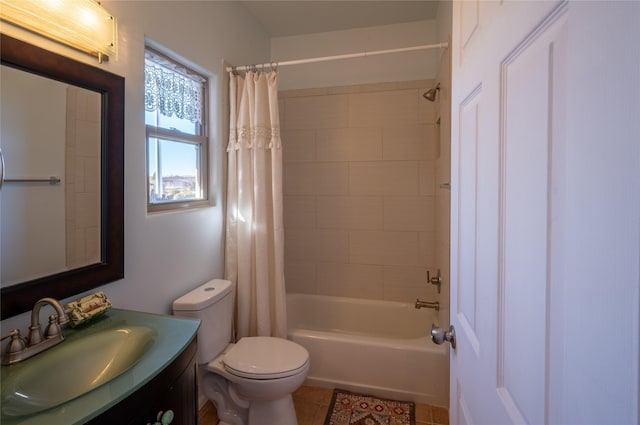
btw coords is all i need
(260, 374)
(250, 382)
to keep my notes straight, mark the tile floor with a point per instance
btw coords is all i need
(312, 404)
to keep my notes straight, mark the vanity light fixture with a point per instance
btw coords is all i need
(82, 24)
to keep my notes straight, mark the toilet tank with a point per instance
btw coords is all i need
(212, 303)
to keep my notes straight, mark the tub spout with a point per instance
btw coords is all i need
(428, 304)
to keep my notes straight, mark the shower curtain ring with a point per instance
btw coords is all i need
(274, 66)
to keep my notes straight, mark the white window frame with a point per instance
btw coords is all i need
(201, 140)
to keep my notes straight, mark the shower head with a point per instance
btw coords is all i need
(430, 94)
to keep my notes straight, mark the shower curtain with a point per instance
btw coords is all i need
(254, 246)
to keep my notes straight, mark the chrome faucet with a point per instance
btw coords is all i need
(437, 280)
(20, 349)
(428, 304)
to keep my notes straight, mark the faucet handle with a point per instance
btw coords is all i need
(437, 280)
(53, 328)
(16, 344)
(10, 334)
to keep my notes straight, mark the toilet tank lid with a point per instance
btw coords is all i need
(203, 296)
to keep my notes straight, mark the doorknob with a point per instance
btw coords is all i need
(439, 335)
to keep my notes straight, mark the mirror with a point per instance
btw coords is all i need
(50, 198)
(101, 259)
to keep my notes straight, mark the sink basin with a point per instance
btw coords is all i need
(73, 368)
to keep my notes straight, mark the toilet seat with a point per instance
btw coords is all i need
(265, 358)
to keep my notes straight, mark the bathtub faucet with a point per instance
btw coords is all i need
(427, 304)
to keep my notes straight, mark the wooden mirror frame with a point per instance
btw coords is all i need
(21, 297)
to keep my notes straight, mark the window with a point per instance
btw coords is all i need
(176, 123)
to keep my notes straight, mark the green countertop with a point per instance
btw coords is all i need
(173, 335)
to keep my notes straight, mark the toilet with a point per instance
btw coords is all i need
(250, 382)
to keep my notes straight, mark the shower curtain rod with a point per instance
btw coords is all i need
(338, 57)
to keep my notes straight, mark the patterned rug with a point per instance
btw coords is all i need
(349, 408)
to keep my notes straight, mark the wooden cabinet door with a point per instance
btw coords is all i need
(175, 389)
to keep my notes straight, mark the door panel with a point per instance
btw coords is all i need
(519, 244)
(528, 77)
(467, 177)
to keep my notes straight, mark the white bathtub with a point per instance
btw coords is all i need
(375, 347)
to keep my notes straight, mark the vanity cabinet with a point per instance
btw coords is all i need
(175, 389)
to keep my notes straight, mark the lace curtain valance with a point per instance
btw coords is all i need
(171, 93)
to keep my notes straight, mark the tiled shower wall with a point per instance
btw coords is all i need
(82, 177)
(360, 190)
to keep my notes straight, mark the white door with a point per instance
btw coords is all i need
(545, 212)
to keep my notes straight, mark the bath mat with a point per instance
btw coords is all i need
(349, 408)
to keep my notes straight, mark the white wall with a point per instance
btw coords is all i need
(168, 254)
(418, 65)
(443, 19)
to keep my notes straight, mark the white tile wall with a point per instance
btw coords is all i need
(386, 108)
(409, 142)
(301, 145)
(416, 213)
(349, 144)
(385, 248)
(351, 280)
(316, 178)
(300, 276)
(360, 190)
(82, 173)
(316, 112)
(384, 178)
(350, 212)
(299, 211)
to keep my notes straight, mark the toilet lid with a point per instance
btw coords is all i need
(262, 357)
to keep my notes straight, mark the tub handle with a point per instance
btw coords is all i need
(439, 335)
(436, 280)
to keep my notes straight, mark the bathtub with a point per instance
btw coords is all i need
(375, 347)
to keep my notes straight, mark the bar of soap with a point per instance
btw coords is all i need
(87, 308)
